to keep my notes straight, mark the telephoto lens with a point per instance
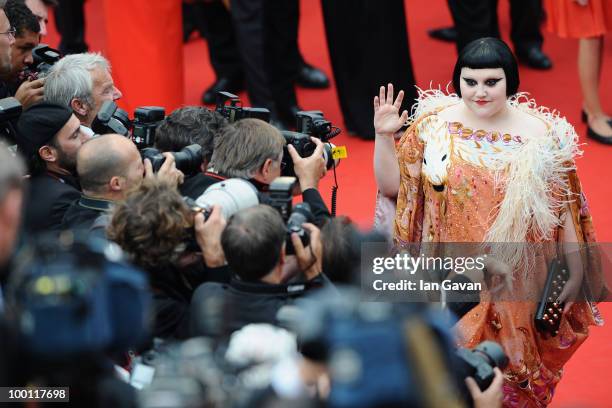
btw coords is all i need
(232, 195)
(188, 160)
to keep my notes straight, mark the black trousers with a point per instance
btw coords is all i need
(266, 32)
(214, 22)
(478, 18)
(368, 47)
(70, 23)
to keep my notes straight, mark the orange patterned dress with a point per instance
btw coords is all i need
(466, 210)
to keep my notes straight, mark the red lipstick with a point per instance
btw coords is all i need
(482, 103)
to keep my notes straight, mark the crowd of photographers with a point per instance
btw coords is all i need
(164, 254)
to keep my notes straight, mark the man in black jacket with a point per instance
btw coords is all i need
(7, 39)
(191, 125)
(12, 170)
(27, 37)
(50, 137)
(151, 225)
(254, 246)
(109, 166)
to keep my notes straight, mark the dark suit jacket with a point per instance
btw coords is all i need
(219, 309)
(83, 212)
(49, 197)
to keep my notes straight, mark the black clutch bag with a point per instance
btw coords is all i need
(549, 312)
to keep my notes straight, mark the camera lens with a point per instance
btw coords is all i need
(493, 353)
(189, 159)
(232, 195)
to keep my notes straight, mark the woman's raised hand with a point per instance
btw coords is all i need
(386, 112)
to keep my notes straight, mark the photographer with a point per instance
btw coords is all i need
(50, 137)
(152, 225)
(82, 82)
(254, 246)
(12, 170)
(108, 167)
(186, 126)
(253, 149)
(40, 8)
(26, 91)
(6, 42)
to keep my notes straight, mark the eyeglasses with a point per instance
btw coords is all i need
(11, 32)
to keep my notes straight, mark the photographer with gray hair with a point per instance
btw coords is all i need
(82, 82)
(252, 149)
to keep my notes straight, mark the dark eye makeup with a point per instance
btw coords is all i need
(492, 81)
(489, 82)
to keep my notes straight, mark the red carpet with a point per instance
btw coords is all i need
(588, 375)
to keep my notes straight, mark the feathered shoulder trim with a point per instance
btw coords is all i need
(431, 101)
(533, 176)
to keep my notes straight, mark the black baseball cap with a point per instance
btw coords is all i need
(38, 124)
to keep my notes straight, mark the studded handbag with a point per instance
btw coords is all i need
(549, 312)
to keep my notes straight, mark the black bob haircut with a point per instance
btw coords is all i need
(488, 52)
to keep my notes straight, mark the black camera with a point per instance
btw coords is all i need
(188, 160)
(305, 148)
(280, 197)
(300, 215)
(313, 123)
(235, 111)
(479, 362)
(111, 119)
(146, 121)
(10, 109)
(309, 123)
(44, 57)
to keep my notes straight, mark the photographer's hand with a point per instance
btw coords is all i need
(168, 171)
(208, 235)
(491, 397)
(309, 170)
(30, 92)
(310, 259)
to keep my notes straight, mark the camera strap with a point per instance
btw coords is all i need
(215, 176)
